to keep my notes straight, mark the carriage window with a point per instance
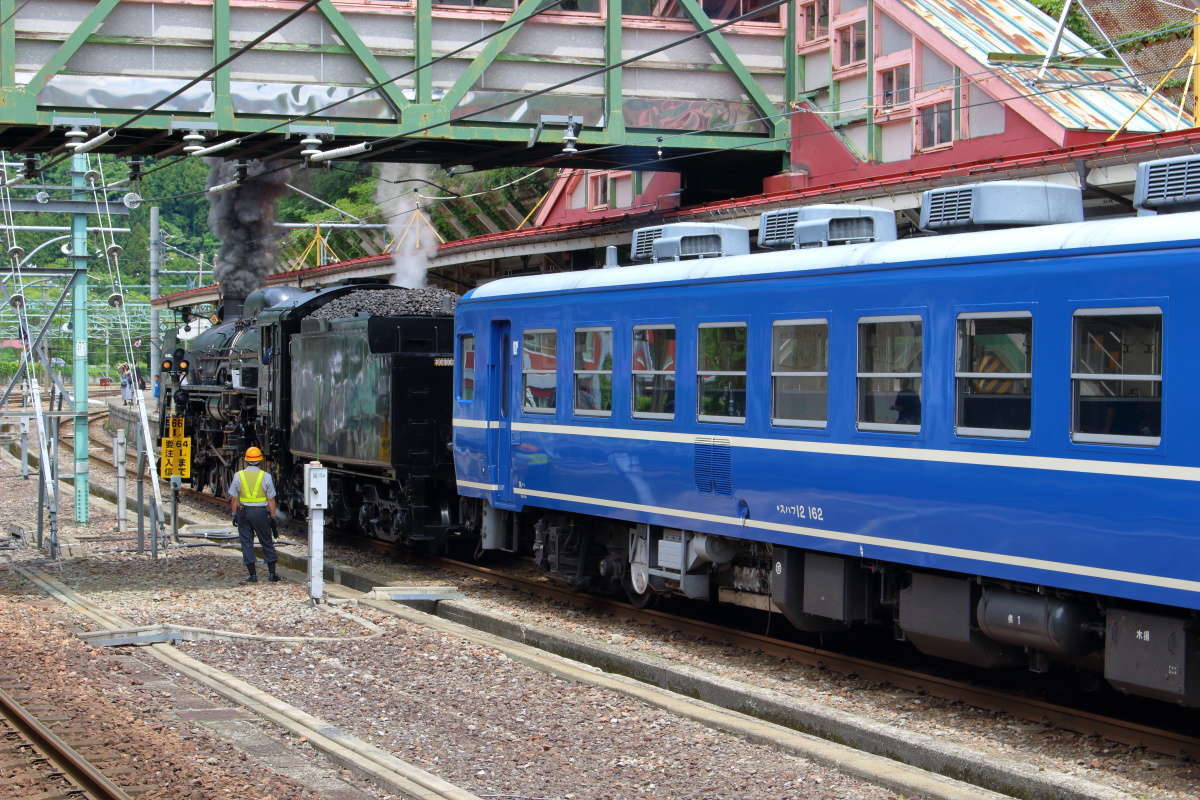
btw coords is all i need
(721, 372)
(994, 374)
(654, 371)
(593, 371)
(800, 372)
(539, 371)
(889, 374)
(1116, 376)
(466, 369)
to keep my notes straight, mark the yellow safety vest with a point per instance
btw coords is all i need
(248, 493)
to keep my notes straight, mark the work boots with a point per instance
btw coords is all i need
(271, 568)
(252, 576)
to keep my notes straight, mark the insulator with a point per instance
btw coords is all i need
(312, 146)
(131, 200)
(16, 252)
(193, 141)
(42, 197)
(116, 300)
(114, 250)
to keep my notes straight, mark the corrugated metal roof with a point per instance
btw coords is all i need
(980, 27)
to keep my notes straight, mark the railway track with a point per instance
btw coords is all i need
(101, 451)
(39, 762)
(1030, 709)
(1026, 708)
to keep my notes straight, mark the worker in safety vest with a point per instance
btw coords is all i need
(252, 502)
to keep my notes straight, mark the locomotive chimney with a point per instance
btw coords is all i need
(231, 307)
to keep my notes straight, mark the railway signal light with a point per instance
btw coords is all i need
(176, 363)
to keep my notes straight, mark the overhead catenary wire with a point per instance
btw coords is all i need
(112, 262)
(46, 473)
(702, 32)
(999, 72)
(308, 4)
(550, 5)
(674, 43)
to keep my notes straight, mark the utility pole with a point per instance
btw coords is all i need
(155, 265)
(79, 335)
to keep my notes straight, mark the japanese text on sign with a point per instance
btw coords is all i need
(175, 457)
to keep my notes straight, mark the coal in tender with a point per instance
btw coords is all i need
(427, 301)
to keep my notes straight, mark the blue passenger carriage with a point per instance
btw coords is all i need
(986, 439)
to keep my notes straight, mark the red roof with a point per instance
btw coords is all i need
(1135, 147)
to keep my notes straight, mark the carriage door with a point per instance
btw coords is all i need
(499, 413)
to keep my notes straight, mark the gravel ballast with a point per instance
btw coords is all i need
(1133, 771)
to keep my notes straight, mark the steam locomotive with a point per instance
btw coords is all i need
(359, 389)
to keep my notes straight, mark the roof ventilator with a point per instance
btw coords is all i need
(825, 226)
(1168, 185)
(999, 204)
(684, 241)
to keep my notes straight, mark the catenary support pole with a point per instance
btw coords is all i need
(155, 266)
(25, 448)
(119, 460)
(79, 336)
(55, 426)
(141, 492)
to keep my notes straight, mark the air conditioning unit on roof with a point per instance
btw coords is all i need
(825, 226)
(683, 241)
(1000, 204)
(1168, 185)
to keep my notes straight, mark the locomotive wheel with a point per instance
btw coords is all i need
(635, 580)
(644, 599)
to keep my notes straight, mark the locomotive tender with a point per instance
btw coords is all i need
(986, 440)
(363, 393)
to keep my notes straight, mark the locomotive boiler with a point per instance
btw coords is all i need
(353, 376)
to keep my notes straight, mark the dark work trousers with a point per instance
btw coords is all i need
(252, 520)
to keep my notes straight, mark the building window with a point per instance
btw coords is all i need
(889, 374)
(994, 375)
(590, 6)
(815, 20)
(721, 372)
(466, 368)
(894, 86)
(852, 44)
(1116, 377)
(654, 371)
(800, 372)
(714, 9)
(598, 190)
(936, 125)
(593, 371)
(539, 371)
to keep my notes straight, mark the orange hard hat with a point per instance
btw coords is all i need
(254, 454)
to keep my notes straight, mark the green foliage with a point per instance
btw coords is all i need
(1077, 21)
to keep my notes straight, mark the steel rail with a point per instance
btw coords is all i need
(1026, 708)
(65, 759)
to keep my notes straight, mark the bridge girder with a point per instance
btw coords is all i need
(93, 64)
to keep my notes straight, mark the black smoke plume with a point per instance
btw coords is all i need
(243, 219)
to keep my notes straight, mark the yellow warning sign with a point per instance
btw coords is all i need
(175, 456)
(175, 427)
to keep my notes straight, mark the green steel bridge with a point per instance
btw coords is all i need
(484, 83)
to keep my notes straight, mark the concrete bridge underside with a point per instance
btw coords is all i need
(70, 63)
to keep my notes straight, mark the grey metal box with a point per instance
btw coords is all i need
(833, 588)
(1153, 656)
